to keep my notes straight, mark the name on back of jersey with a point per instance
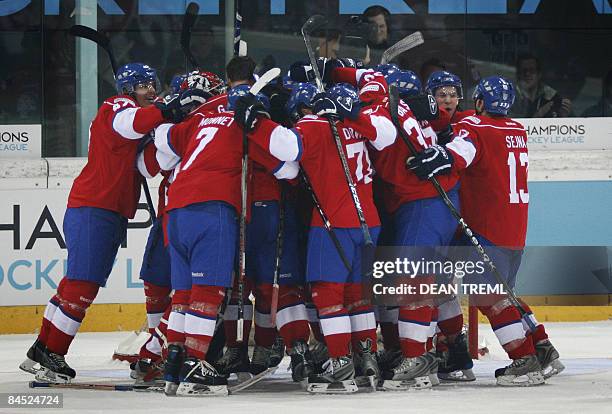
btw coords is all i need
(515, 141)
(217, 120)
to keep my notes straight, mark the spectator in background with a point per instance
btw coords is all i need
(535, 99)
(379, 17)
(604, 106)
(430, 66)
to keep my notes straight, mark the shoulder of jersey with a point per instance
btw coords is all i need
(311, 119)
(480, 121)
(121, 100)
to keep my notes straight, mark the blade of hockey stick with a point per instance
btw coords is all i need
(264, 79)
(313, 23)
(407, 43)
(88, 33)
(100, 39)
(191, 15)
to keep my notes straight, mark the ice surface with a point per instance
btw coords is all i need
(584, 387)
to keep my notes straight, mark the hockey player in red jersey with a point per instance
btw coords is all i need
(206, 190)
(494, 202)
(346, 319)
(155, 270)
(103, 197)
(412, 202)
(446, 87)
(261, 254)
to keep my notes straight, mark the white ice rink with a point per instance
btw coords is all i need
(584, 387)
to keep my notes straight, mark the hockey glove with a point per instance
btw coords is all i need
(324, 106)
(175, 108)
(248, 110)
(303, 72)
(424, 106)
(430, 162)
(445, 136)
(278, 96)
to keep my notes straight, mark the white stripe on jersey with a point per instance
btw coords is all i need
(166, 157)
(142, 166)
(285, 144)
(287, 170)
(465, 121)
(123, 124)
(465, 149)
(385, 132)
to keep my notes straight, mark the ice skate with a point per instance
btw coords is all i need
(53, 368)
(522, 372)
(433, 373)
(338, 377)
(199, 378)
(319, 355)
(367, 372)
(387, 359)
(261, 359)
(278, 351)
(172, 368)
(548, 358)
(301, 361)
(456, 363)
(31, 363)
(235, 360)
(410, 373)
(147, 372)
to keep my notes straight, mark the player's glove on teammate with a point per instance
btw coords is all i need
(175, 108)
(248, 110)
(325, 106)
(322, 105)
(423, 106)
(278, 96)
(445, 136)
(302, 71)
(430, 162)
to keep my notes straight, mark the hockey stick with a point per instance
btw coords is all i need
(104, 42)
(191, 15)
(83, 386)
(312, 24)
(325, 220)
(255, 89)
(407, 43)
(393, 109)
(279, 254)
(240, 46)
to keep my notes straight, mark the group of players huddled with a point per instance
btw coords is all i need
(194, 138)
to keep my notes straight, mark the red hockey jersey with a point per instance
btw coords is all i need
(209, 148)
(494, 195)
(110, 179)
(312, 144)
